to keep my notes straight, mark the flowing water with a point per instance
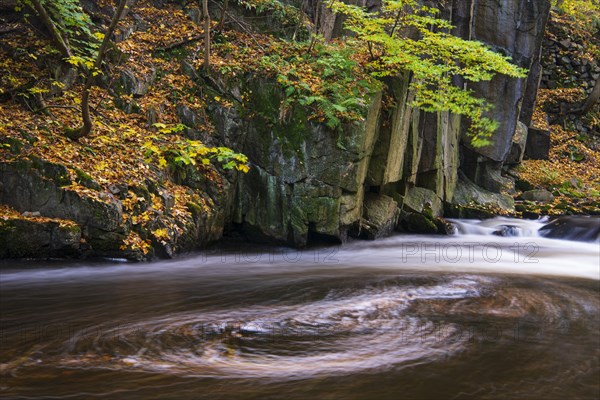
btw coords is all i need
(470, 316)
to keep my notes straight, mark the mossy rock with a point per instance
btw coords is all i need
(54, 171)
(418, 223)
(86, 180)
(13, 145)
(29, 238)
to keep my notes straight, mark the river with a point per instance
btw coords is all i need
(469, 316)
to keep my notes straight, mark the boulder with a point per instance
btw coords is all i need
(421, 200)
(468, 194)
(538, 144)
(417, 223)
(379, 218)
(507, 231)
(573, 227)
(38, 238)
(538, 195)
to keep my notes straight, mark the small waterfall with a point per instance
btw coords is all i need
(499, 226)
(572, 227)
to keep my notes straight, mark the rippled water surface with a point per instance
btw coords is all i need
(473, 316)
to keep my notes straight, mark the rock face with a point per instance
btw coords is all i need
(517, 149)
(469, 196)
(516, 29)
(307, 179)
(304, 177)
(35, 187)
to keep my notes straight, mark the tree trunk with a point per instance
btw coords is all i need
(60, 42)
(88, 124)
(206, 36)
(223, 11)
(591, 100)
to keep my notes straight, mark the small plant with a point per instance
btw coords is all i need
(549, 176)
(183, 153)
(333, 89)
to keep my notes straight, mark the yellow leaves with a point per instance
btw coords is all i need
(242, 167)
(161, 234)
(157, 204)
(8, 213)
(101, 166)
(79, 61)
(136, 243)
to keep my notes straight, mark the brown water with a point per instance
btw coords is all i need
(382, 320)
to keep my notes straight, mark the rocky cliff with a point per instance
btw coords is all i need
(395, 167)
(400, 160)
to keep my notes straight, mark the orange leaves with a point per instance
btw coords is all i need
(8, 213)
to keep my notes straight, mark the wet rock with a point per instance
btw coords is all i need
(25, 238)
(444, 227)
(580, 228)
(380, 217)
(507, 231)
(421, 200)
(538, 195)
(417, 223)
(468, 194)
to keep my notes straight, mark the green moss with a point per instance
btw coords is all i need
(178, 53)
(195, 209)
(86, 180)
(11, 144)
(56, 172)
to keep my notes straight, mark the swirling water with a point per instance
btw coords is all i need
(472, 316)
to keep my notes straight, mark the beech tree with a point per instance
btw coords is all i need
(206, 36)
(406, 37)
(88, 124)
(69, 28)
